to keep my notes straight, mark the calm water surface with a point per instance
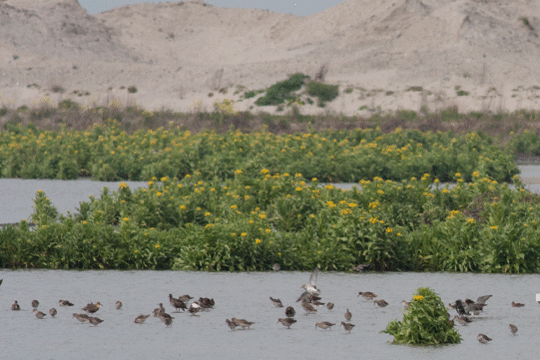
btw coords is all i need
(242, 295)
(246, 295)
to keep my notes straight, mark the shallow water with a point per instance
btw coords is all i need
(246, 295)
(242, 295)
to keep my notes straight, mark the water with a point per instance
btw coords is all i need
(17, 195)
(241, 295)
(246, 295)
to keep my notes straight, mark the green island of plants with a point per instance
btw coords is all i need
(425, 322)
(104, 152)
(249, 222)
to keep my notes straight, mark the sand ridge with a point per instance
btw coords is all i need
(177, 53)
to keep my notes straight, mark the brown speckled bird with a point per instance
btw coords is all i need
(287, 322)
(348, 326)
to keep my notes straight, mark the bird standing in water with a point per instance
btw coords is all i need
(513, 329)
(141, 319)
(287, 322)
(483, 339)
(276, 302)
(290, 312)
(348, 327)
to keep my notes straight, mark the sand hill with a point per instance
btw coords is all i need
(177, 53)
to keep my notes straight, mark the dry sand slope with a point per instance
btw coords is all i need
(176, 53)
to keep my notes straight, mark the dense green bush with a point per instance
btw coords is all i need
(324, 92)
(425, 322)
(280, 92)
(249, 223)
(106, 153)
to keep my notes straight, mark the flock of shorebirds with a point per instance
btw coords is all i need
(178, 303)
(309, 300)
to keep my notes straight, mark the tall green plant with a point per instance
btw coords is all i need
(424, 323)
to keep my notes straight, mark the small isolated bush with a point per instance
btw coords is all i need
(250, 94)
(132, 89)
(68, 104)
(415, 88)
(3, 111)
(526, 22)
(324, 92)
(424, 323)
(462, 93)
(348, 90)
(281, 91)
(57, 89)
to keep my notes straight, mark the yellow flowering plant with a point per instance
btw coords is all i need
(425, 322)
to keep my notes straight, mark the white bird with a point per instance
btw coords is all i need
(310, 288)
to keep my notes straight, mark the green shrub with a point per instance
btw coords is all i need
(280, 92)
(132, 89)
(324, 92)
(425, 322)
(57, 89)
(68, 104)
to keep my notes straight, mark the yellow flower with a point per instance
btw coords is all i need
(262, 216)
(279, 254)
(84, 222)
(182, 207)
(265, 171)
(237, 171)
(234, 207)
(470, 220)
(126, 219)
(257, 241)
(418, 297)
(158, 193)
(157, 246)
(207, 214)
(389, 230)
(494, 227)
(243, 234)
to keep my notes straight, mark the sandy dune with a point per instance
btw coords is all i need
(177, 53)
